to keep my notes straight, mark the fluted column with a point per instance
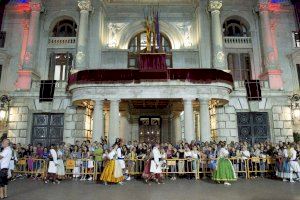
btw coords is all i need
(114, 121)
(272, 73)
(98, 130)
(27, 71)
(85, 7)
(204, 120)
(189, 132)
(214, 7)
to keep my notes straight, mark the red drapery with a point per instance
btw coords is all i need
(152, 62)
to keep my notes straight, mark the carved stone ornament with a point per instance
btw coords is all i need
(80, 56)
(27, 57)
(215, 5)
(220, 56)
(85, 5)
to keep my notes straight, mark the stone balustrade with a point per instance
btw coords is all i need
(238, 42)
(62, 42)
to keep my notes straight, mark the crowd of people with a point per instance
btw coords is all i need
(179, 160)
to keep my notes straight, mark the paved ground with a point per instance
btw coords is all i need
(258, 189)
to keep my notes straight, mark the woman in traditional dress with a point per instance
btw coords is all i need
(147, 176)
(112, 172)
(60, 163)
(224, 170)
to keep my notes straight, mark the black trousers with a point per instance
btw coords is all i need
(3, 177)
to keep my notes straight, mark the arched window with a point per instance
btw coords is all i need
(65, 28)
(138, 44)
(235, 28)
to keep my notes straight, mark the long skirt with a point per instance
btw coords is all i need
(60, 168)
(109, 172)
(146, 173)
(224, 171)
(52, 167)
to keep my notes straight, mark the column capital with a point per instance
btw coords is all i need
(85, 5)
(215, 5)
(98, 101)
(189, 100)
(204, 100)
(35, 6)
(114, 100)
(263, 6)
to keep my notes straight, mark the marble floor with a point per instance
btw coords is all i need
(182, 189)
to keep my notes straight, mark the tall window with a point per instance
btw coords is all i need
(240, 66)
(235, 28)
(298, 72)
(0, 73)
(60, 65)
(65, 28)
(138, 44)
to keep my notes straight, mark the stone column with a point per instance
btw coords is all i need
(177, 134)
(27, 72)
(189, 132)
(219, 62)
(204, 120)
(124, 127)
(270, 58)
(114, 121)
(85, 7)
(165, 128)
(98, 130)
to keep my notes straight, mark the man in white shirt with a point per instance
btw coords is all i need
(5, 157)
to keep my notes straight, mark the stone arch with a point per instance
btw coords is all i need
(55, 17)
(128, 32)
(245, 19)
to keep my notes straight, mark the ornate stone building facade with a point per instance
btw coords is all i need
(214, 51)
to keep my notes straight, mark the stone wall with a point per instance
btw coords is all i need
(18, 124)
(227, 124)
(282, 123)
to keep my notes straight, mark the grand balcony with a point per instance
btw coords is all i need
(238, 42)
(115, 76)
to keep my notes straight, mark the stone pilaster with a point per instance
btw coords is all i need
(272, 73)
(27, 72)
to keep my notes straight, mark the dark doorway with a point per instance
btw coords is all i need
(47, 128)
